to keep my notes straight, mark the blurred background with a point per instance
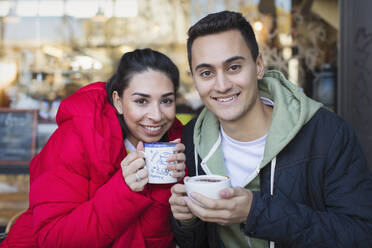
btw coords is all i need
(51, 48)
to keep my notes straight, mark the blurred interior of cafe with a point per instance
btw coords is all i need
(51, 48)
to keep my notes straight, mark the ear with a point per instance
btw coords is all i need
(260, 67)
(117, 102)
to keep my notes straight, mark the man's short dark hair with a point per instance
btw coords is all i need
(220, 22)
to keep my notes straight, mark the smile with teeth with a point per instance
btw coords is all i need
(225, 99)
(152, 128)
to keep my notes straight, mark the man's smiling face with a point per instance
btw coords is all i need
(225, 74)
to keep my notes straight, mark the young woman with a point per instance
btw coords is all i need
(88, 185)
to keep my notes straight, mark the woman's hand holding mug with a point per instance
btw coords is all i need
(134, 170)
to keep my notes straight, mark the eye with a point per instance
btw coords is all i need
(234, 67)
(141, 101)
(205, 74)
(167, 101)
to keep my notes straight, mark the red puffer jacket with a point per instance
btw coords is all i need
(78, 197)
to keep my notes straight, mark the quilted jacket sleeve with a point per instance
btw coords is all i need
(66, 211)
(346, 188)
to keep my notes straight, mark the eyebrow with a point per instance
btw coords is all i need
(167, 94)
(227, 61)
(148, 96)
(201, 66)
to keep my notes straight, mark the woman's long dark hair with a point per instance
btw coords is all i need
(138, 61)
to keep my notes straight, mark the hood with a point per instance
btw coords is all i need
(86, 102)
(94, 118)
(292, 110)
(88, 113)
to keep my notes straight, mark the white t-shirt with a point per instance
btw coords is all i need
(243, 158)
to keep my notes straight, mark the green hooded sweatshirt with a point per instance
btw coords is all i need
(292, 110)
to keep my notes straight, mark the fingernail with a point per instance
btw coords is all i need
(223, 193)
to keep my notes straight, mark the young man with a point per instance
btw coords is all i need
(299, 177)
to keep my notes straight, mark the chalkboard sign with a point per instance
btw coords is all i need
(17, 136)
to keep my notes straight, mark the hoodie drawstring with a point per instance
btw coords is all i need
(273, 164)
(272, 174)
(196, 162)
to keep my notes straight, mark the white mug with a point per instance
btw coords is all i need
(207, 185)
(156, 155)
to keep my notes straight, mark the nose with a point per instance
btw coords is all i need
(154, 112)
(222, 84)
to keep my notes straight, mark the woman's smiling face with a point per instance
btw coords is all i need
(148, 106)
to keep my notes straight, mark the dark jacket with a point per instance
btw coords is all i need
(319, 193)
(323, 192)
